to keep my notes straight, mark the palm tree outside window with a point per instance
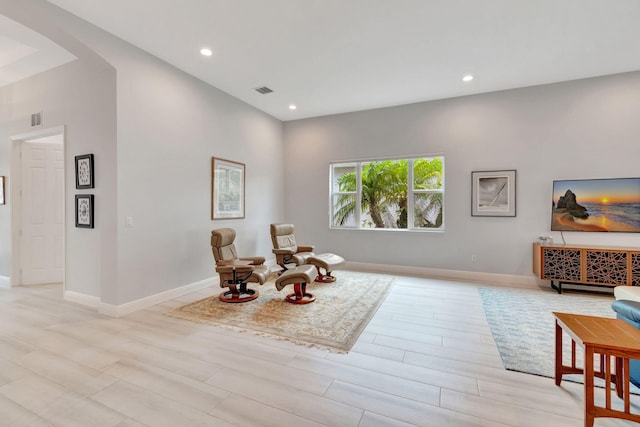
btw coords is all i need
(403, 194)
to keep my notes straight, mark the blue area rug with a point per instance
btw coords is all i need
(523, 326)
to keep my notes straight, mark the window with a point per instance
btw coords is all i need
(400, 194)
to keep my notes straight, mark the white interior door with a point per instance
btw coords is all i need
(42, 233)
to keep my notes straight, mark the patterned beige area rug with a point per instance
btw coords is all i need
(523, 327)
(335, 320)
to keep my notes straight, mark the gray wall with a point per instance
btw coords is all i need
(165, 127)
(153, 163)
(81, 98)
(169, 126)
(580, 129)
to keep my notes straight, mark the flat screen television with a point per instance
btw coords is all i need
(596, 205)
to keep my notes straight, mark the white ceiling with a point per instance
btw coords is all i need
(333, 56)
(24, 53)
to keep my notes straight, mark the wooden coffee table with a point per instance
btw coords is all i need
(608, 338)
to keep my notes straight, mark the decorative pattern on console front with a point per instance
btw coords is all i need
(607, 268)
(561, 264)
(635, 269)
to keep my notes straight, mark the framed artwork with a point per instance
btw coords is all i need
(2, 198)
(227, 189)
(84, 210)
(84, 171)
(493, 193)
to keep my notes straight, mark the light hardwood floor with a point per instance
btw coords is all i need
(427, 358)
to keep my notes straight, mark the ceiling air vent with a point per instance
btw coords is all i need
(263, 90)
(36, 119)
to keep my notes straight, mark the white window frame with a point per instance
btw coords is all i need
(411, 192)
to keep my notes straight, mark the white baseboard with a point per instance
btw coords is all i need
(130, 307)
(470, 276)
(5, 282)
(86, 300)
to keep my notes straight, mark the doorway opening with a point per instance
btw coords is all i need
(38, 208)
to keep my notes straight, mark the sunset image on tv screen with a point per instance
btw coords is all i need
(596, 205)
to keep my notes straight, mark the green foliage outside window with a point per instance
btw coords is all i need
(385, 194)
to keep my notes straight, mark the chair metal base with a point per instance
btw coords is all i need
(325, 278)
(299, 295)
(235, 295)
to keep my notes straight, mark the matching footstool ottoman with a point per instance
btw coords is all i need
(327, 261)
(298, 277)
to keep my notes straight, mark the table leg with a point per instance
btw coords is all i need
(606, 368)
(558, 353)
(619, 377)
(627, 385)
(588, 386)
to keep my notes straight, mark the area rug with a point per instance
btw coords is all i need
(523, 326)
(334, 320)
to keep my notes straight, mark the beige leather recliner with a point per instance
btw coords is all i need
(286, 249)
(236, 272)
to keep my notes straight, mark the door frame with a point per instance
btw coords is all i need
(15, 192)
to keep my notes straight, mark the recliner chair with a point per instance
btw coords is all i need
(286, 249)
(236, 272)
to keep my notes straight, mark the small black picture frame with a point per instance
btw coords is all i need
(84, 210)
(84, 171)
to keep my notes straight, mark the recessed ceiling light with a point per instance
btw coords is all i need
(467, 78)
(292, 107)
(206, 51)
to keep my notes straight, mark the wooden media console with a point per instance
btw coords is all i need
(586, 265)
